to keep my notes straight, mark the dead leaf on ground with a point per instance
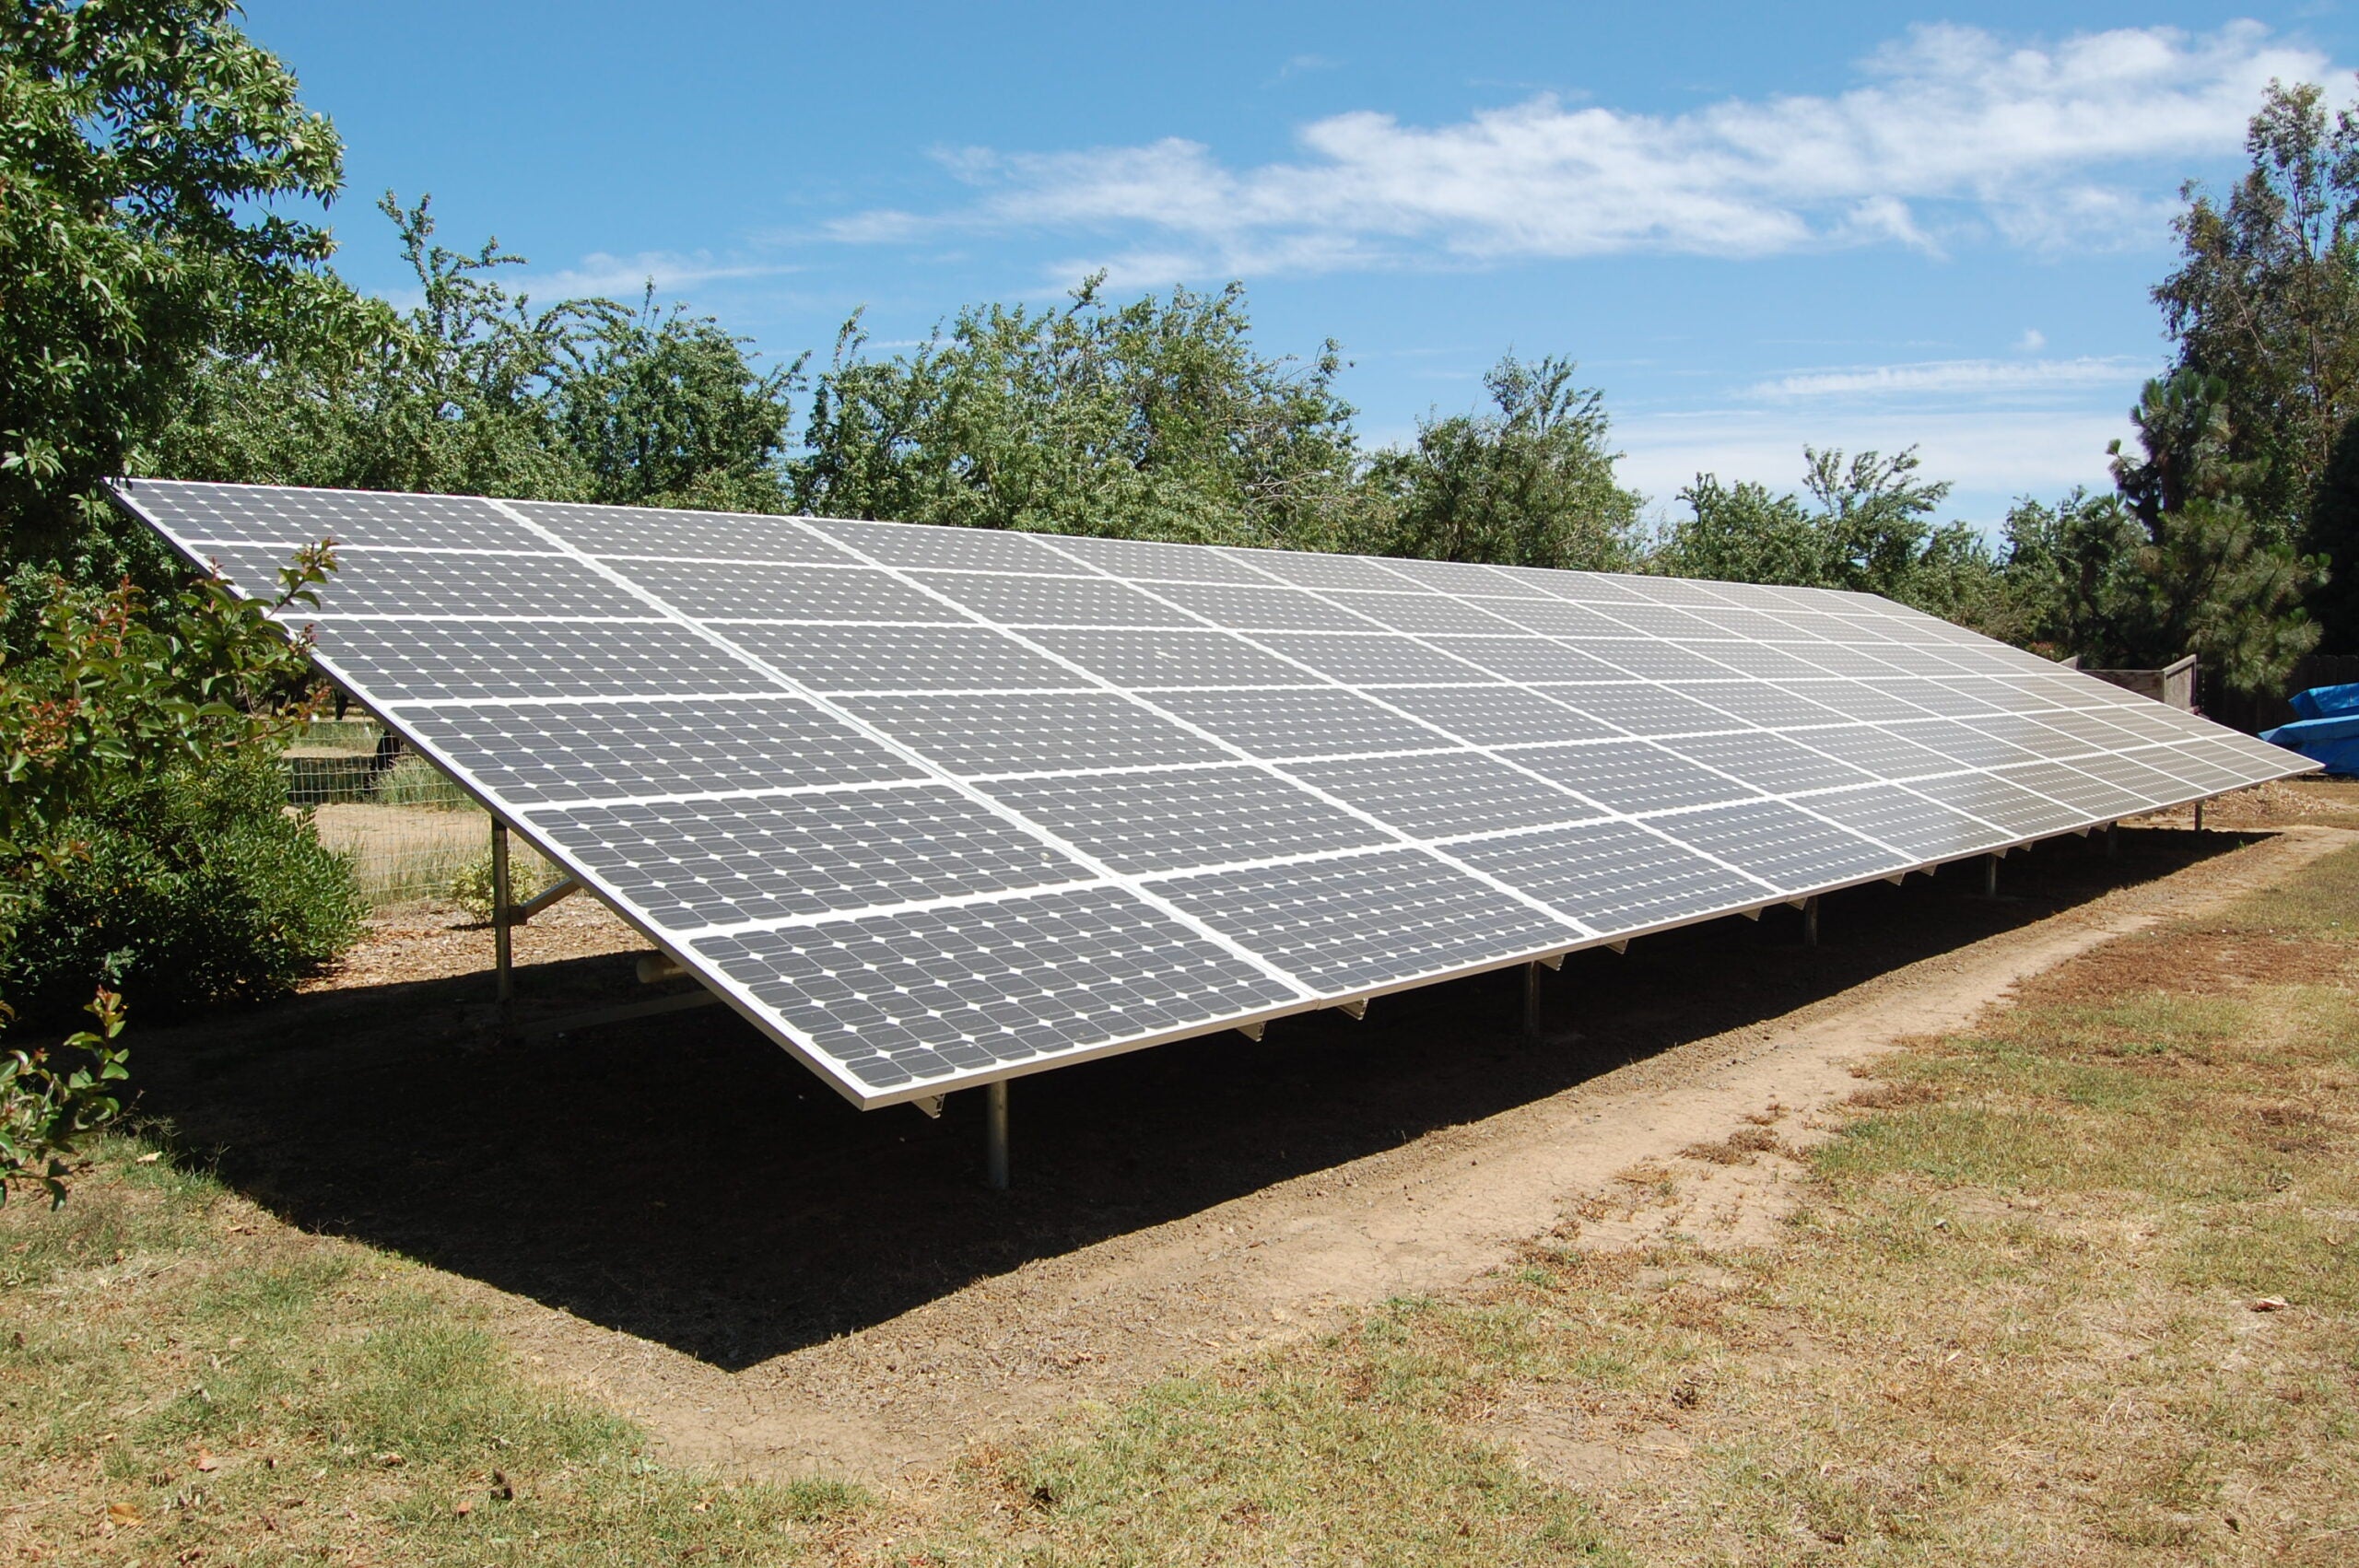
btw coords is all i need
(2268, 1303)
(123, 1514)
(206, 1461)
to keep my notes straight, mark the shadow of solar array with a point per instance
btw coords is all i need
(939, 806)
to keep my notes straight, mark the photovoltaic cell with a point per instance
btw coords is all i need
(1364, 921)
(735, 592)
(433, 660)
(1053, 601)
(189, 512)
(1146, 658)
(1168, 821)
(1873, 751)
(895, 544)
(412, 582)
(902, 658)
(1527, 659)
(1376, 658)
(1263, 609)
(697, 536)
(1770, 762)
(1281, 724)
(1429, 612)
(925, 995)
(1614, 876)
(534, 753)
(1780, 845)
(1645, 709)
(1443, 795)
(934, 805)
(1029, 732)
(1908, 822)
(723, 862)
(1630, 776)
(1492, 716)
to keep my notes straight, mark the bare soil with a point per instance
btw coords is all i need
(676, 1216)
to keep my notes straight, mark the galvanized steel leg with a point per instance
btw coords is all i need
(1531, 1000)
(2113, 841)
(1810, 921)
(503, 956)
(2199, 816)
(1989, 876)
(995, 1135)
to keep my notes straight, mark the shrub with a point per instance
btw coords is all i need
(192, 886)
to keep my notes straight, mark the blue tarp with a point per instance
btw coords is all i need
(2326, 702)
(2328, 731)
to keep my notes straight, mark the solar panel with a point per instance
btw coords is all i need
(935, 806)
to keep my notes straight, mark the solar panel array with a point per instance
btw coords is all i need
(936, 806)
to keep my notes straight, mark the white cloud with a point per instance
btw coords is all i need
(621, 277)
(1959, 377)
(1990, 457)
(2032, 341)
(1951, 134)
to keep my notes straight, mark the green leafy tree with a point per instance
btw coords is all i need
(2214, 579)
(106, 703)
(142, 144)
(2173, 562)
(1155, 420)
(1747, 533)
(1868, 526)
(480, 391)
(1529, 483)
(662, 408)
(2070, 578)
(2265, 301)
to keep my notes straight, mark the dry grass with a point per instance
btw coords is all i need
(184, 1380)
(2012, 1322)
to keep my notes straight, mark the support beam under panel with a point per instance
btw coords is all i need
(622, 1012)
(502, 951)
(995, 1135)
(1810, 921)
(1531, 1000)
(542, 900)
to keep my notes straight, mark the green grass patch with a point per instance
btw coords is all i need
(186, 1381)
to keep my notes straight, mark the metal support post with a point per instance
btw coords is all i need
(1989, 876)
(1531, 1000)
(2113, 841)
(1810, 921)
(503, 955)
(2199, 816)
(995, 1135)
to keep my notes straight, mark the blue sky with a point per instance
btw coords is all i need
(1853, 225)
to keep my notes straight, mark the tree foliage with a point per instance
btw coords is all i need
(2174, 562)
(2265, 300)
(141, 145)
(1156, 419)
(1530, 483)
(107, 701)
(478, 392)
(1868, 526)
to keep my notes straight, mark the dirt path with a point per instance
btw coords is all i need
(891, 1403)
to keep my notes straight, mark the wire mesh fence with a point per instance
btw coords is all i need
(410, 831)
